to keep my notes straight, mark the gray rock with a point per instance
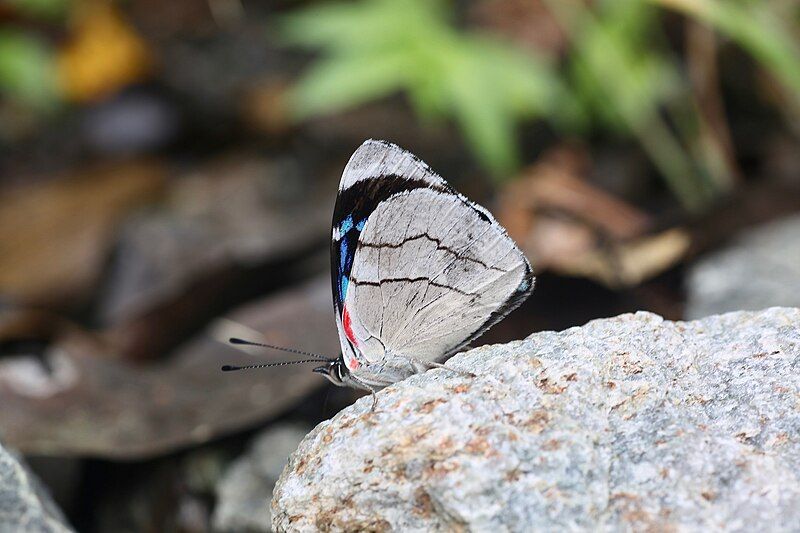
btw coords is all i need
(24, 504)
(624, 424)
(761, 269)
(241, 211)
(245, 490)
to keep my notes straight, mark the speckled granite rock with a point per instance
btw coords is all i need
(244, 492)
(24, 505)
(761, 269)
(624, 424)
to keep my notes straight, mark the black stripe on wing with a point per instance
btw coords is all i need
(355, 281)
(358, 202)
(361, 199)
(439, 246)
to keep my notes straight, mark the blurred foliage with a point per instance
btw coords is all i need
(618, 70)
(101, 54)
(42, 9)
(380, 47)
(27, 73)
(618, 74)
(104, 54)
(27, 64)
(758, 27)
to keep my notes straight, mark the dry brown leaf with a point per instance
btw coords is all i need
(567, 224)
(30, 325)
(54, 235)
(629, 263)
(264, 107)
(90, 403)
(556, 183)
(103, 55)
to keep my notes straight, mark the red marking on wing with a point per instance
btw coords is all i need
(348, 326)
(353, 363)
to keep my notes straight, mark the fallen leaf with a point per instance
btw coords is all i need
(91, 404)
(566, 224)
(630, 263)
(103, 54)
(557, 183)
(233, 227)
(264, 107)
(54, 236)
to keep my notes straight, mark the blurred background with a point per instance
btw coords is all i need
(168, 172)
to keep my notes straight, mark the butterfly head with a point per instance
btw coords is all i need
(336, 371)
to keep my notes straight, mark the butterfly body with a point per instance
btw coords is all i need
(418, 270)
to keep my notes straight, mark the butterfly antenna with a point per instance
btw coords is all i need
(231, 368)
(234, 340)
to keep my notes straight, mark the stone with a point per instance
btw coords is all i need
(760, 269)
(245, 490)
(626, 423)
(24, 504)
(196, 235)
(134, 122)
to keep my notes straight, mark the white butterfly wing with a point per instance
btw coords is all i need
(431, 271)
(379, 159)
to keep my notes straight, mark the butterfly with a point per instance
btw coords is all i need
(418, 270)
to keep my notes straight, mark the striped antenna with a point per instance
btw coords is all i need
(231, 368)
(234, 340)
(316, 357)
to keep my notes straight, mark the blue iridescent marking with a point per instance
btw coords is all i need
(343, 258)
(345, 263)
(345, 253)
(346, 224)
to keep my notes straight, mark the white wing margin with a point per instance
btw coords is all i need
(377, 159)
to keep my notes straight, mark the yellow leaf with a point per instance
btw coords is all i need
(103, 55)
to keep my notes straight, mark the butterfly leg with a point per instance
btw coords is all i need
(369, 388)
(374, 400)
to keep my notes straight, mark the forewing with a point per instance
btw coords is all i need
(376, 171)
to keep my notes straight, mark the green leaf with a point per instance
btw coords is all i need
(44, 9)
(340, 84)
(757, 28)
(27, 70)
(486, 124)
(374, 48)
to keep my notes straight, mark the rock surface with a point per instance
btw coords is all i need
(627, 423)
(244, 492)
(196, 235)
(24, 505)
(759, 270)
